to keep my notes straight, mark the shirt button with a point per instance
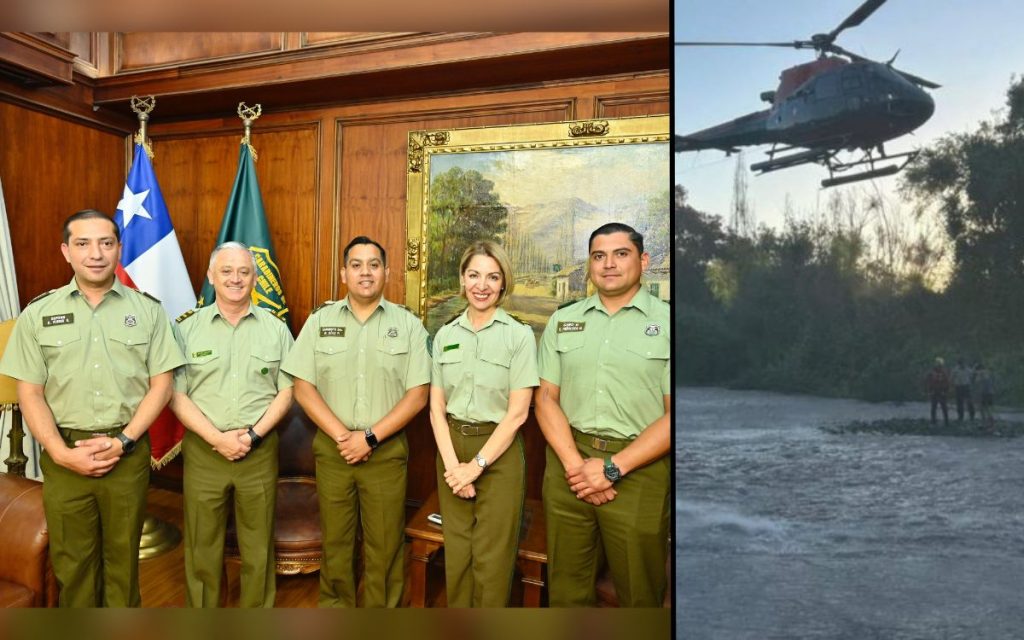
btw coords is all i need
(94, 340)
(606, 342)
(96, 366)
(97, 393)
(600, 391)
(59, 342)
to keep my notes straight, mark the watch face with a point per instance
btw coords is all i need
(611, 471)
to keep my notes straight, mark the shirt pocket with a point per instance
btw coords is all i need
(129, 352)
(330, 356)
(264, 366)
(394, 357)
(493, 371)
(569, 342)
(59, 346)
(649, 357)
(201, 366)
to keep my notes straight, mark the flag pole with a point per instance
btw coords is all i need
(158, 535)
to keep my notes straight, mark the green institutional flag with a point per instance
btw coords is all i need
(246, 222)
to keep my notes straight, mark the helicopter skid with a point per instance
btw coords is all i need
(864, 175)
(784, 162)
(873, 172)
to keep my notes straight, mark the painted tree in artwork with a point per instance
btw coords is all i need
(463, 208)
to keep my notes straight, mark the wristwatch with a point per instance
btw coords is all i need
(127, 444)
(371, 439)
(255, 438)
(480, 461)
(612, 471)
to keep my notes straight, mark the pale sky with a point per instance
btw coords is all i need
(972, 49)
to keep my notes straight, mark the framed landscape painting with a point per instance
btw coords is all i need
(539, 191)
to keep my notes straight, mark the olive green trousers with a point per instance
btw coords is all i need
(481, 534)
(95, 525)
(211, 484)
(630, 533)
(372, 494)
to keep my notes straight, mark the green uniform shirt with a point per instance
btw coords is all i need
(478, 369)
(613, 371)
(232, 373)
(361, 370)
(94, 364)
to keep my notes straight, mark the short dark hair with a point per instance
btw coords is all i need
(86, 214)
(618, 227)
(364, 240)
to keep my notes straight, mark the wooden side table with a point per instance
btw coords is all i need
(427, 538)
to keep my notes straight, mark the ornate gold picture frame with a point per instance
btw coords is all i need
(539, 190)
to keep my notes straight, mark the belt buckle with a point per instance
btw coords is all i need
(599, 443)
(469, 429)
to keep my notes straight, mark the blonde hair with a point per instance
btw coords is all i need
(491, 250)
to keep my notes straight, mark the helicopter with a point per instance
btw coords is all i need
(838, 102)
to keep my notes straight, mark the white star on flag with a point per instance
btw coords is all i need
(131, 204)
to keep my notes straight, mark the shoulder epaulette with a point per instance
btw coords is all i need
(151, 297)
(40, 296)
(322, 305)
(518, 319)
(185, 315)
(274, 313)
(566, 304)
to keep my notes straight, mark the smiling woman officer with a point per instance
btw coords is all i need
(484, 371)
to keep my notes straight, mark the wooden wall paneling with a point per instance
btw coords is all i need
(632, 104)
(52, 167)
(153, 50)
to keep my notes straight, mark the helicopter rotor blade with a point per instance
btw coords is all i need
(859, 15)
(796, 44)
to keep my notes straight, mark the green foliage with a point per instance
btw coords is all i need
(463, 209)
(823, 306)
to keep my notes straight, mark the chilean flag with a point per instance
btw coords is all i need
(151, 261)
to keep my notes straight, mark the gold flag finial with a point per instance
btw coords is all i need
(142, 107)
(248, 116)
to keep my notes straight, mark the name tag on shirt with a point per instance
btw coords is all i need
(58, 320)
(202, 354)
(449, 347)
(332, 332)
(568, 326)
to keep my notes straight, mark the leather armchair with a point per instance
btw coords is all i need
(297, 537)
(26, 577)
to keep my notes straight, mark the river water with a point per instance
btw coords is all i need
(784, 531)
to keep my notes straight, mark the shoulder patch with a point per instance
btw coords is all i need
(151, 297)
(566, 304)
(322, 305)
(186, 315)
(40, 296)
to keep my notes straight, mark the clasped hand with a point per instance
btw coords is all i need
(588, 482)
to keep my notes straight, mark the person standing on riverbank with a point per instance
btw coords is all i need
(986, 384)
(937, 384)
(962, 375)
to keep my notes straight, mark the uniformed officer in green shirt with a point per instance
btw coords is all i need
(361, 369)
(604, 407)
(230, 395)
(485, 369)
(94, 361)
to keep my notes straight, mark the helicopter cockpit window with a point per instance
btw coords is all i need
(827, 86)
(851, 79)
